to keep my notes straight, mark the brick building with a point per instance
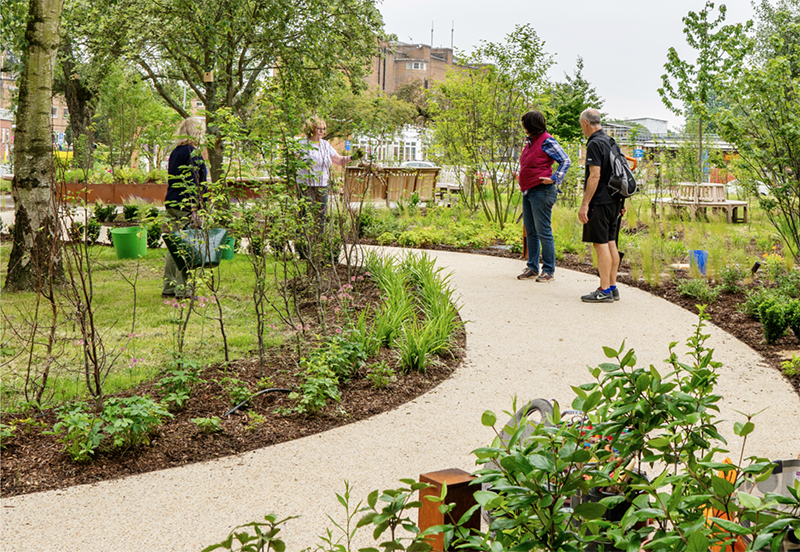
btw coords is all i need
(399, 63)
(59, 115)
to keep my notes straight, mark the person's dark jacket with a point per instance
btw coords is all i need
(187, 177)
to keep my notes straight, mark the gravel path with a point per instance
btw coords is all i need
(524, 338)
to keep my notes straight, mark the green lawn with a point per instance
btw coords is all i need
(143, 345)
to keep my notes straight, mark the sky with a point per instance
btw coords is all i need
(623, 43)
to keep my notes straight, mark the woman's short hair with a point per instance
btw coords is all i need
(312, 124)
(533, 122)
(189, 131)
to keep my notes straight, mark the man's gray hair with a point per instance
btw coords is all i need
(591, 116)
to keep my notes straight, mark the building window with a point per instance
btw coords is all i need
(54, 111)
(419, 65)
(64, 112)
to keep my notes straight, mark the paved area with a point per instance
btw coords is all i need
(524, 338)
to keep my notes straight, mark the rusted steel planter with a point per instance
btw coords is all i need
(115, 194)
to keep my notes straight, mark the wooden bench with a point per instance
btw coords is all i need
(701, 197)
(389, 183)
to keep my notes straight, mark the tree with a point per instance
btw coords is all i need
(370, 113)
(720, 53)
(476, 116)
(34, 254)
(224, 49)
(569, 100)
(763, 121)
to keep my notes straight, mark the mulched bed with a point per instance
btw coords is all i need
(34, 462)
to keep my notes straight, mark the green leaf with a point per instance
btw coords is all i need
(483, 497)
(743, 430)
(730, 526)
(762, 540)
(748, 500)
(609, 352)
(592, 401)
(697, 542)
(590, 510)
(642, 382)
(488, 419)
(542, 462)
(367, 519)
(580, 392)
(722, 487)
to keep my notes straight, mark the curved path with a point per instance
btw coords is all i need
(524, 338)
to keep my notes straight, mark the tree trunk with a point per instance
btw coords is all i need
(79, 101)
(35, 255)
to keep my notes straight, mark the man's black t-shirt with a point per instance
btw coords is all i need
(597, 154)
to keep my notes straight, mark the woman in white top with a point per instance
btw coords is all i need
(320, 156)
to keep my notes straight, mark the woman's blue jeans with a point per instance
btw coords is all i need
(537, 207)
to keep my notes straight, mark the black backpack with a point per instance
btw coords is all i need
(621, 183)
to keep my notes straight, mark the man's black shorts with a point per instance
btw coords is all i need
(603, 223)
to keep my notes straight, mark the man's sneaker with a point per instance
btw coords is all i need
(598, 296)
(544, 277)
(527, 274)
(615, 294)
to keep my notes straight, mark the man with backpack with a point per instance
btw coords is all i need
(601, 207)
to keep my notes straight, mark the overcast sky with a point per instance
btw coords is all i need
(623, 43)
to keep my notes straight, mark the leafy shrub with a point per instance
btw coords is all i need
(128, 175)
(83, 432)
(754, 299)
(791, 368)
(131, 211)
(343, 356)
(177, 387)
(386, 238)
(104, 213)
(772, 314)
(383, 225)
(410, 238)
(156, 175)
(381, 375)
(731, 278)
(789, 283)
(366, 219)
(93, 231)
(74, 176)
(699, 289)
(208, 425)
(236, 390)
(263, 539)
(129, 421)
(153, 235)
(792, 315)
(319, 385)
(6, 433)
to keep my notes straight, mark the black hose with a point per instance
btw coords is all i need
(247, 400)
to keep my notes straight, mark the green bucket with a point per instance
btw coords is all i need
(129, 242)
(228, 248)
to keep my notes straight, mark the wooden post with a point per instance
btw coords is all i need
(459, 492)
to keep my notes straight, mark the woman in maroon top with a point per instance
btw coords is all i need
(539, 185)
